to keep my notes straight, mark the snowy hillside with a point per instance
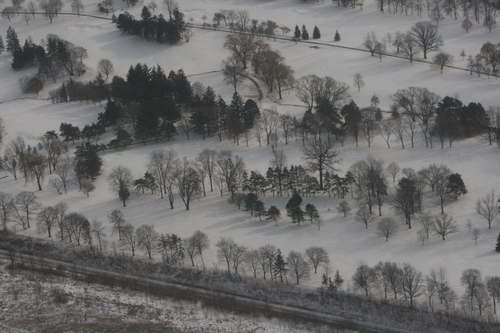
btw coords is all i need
(346, 241)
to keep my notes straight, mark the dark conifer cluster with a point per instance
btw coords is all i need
(152, 27)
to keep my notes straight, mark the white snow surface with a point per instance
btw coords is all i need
(346, 241)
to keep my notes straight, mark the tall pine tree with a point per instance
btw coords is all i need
(297, 32)
(279, 267)
(2, 46)
(337, 36)
(12, 41)
(497, 248)
(316, 33)
(305, 34)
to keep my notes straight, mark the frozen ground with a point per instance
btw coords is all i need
(346, 241)
(36, 303)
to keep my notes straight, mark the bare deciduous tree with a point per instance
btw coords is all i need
(225, 248)
(320, 157)
(207, 158)
(364, 278)
(201, 243)
(97, 230)
(442, 60)
(426, 220)
(129, 238)
(358, 81)
(393, 169)
(493, 286)
(26, 206)
(344, 208)
(487, 208)
(118, 221)
(6, 209)
(387, 227)
(87, 187)
(147, 238)
(105, 67)
(444, 225)
(241, 46)
(364, 215)
(232, 69)
(120, 181)
(409, 45)
(161, 165)
(316, 256)
(413, 283)
(170, 5)
(298, 266)
(77, 6)
(428, 37)
(46, 220)
(475, 234)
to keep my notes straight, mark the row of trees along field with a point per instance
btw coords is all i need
(385, 280)
(424, 37)
(194, 108)
(168, 175)
(482, 12)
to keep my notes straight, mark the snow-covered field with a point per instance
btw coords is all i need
(36, 303)
(346, 241)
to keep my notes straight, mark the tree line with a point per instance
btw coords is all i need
(409, 284)
(154, 28)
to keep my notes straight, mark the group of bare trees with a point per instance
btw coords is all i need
(266, 63)
(487, 61)
(31, 163)
(167, 174)
(371, 186)
(409, 284)
(240, 22)
(267, 261)
(472, 10)
(19, 209)
(51, 8)
(422, 37)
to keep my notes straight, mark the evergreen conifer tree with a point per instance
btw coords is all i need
(337, 36)
(279, 267)
(2, 46)
(293, 209)
(311, 212)
(305, 34)
(338, 280)
(297, 32)
(497, 248)
(12, 41)
(316, 33)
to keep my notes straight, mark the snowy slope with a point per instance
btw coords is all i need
(346, 241)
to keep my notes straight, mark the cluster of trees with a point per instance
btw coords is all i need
(239, 21)
(57, 58)
(486, 61)
(304, 34)
(414, 107)
(422, 37)
(151, 103)
(268, 261)
(471, 10)
(50, 8)
(251, 203)
(407, 283)
(371, 186)
(155, 28)
(31, 163)
(266, 63)
(20, 209)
